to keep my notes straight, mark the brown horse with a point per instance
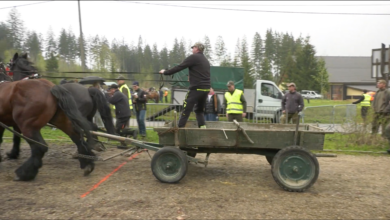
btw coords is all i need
(153, 95)
(28, 105)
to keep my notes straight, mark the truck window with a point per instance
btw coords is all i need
(270, 90)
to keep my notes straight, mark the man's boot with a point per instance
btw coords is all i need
(135, 134)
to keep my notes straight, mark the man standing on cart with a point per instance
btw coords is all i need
(199, 77)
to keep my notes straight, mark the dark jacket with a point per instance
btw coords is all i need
(121, 104)
(213, 106)
(292, 102)
(140, 102)
(381, 103)
(199, 70)
(242, 99)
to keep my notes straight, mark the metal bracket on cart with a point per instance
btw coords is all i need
(196, 161)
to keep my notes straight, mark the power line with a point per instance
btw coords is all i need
(16, 6)
(239, 5)
(249, 10)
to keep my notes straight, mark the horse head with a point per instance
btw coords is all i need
(22, 67)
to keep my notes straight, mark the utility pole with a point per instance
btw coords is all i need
(81, 42)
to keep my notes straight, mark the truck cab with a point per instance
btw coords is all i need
(268, 99)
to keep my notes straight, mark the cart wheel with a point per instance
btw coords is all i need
(295, 169)
(169, 165)
(269, 159)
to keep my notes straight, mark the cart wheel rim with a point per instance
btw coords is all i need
(296, 170)
(168, 165)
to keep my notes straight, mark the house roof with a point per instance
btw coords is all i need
(348, 69)
(363, 87)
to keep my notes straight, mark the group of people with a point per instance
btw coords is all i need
(127, 102)
(380, 108)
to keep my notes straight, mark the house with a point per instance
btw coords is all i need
(348, 76)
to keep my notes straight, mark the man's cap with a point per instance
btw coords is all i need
(120, 77)
(113, 86)
(291, 84)
(230, 83)
(199, 45)
(135, 83)
(365, 91)
(382, 81)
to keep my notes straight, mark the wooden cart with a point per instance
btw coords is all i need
(286, 147)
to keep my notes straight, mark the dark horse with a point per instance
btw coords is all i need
(88, 101)
(28, 105)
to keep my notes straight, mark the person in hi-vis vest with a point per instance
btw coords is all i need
(234, 103)
(125, 90)
(365, 103)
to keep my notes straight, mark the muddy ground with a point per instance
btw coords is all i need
(231, 187)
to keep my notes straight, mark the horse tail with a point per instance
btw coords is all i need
(103, 108)
(69, 106)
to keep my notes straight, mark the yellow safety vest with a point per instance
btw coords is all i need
(234, 105)
(366, 101)
(129, 95)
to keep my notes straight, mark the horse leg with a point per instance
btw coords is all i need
(1, 139)
(62, 123)
(14, 154)
(30, 168)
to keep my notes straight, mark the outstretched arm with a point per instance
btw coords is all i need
(189, 61)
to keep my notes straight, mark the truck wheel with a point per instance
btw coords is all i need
(169, 165)
(295, 169)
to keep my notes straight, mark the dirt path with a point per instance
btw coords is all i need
(231, 187)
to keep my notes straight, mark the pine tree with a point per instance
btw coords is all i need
(237, 55)
(246, 64)
(5, 43)
(322, 77)
(164, 58)
(227, 61)
(257, 54)
(140, 54)
(51, 45)
(307, 66)
(174, 57)
(52, 63)
(156, 59)
(73, 46)
(266, 70)
(33, 46)
(208, 51)
(182, 49)
(269, 46)
(63, 46)
(220, 51)
(15, 29)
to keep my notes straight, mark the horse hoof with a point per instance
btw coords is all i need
(16, 178)
(12, 156)
(88, 169)
(99, 147)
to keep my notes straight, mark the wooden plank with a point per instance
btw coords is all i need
(313, 141)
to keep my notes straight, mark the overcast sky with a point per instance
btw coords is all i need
(332, 35)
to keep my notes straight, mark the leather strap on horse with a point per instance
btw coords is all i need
(161, 82)
(215, 103)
